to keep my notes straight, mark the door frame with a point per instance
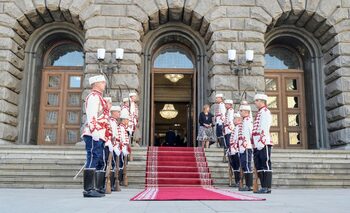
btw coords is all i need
(191, 72)
(281, 75)
(64, 72)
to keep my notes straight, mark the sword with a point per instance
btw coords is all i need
(75, 177)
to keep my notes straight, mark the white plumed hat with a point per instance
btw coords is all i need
(96, 78)
(115, 108)
(260, 97)
(219, 95)
(245, 107)
(124, 114)
(236, 115)
(132, 94)
(228, 101)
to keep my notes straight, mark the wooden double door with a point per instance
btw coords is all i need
(285, 89)
(60, 106)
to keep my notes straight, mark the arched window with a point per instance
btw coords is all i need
(281, 58)
(173, 58)
(65, 54)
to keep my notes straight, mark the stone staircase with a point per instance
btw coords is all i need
(295, 168)
(24, 166)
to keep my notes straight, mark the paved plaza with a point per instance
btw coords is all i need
(71, 200)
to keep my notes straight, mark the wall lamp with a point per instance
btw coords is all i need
(240, 66)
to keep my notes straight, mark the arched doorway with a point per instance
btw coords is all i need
(284, 85)
(61, 91)
(303, 45)
(173, 94)
(190, 44)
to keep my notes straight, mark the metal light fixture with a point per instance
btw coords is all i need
(239, 66)
(174, 77)
(108, 68)
(168, 111)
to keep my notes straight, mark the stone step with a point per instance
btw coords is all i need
(299, 183)
(293, 151)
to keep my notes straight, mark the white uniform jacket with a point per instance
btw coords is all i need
(219, 113)
(234, 140)
(228, 124)
(261, 128)
(245, 139)
(97, 117)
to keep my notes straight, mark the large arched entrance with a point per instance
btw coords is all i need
(173, 49)
(173, 94)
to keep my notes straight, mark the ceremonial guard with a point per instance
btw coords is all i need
(262, 143)
(228, 124)
(219, 114)
(245, 146)
(134, 115)
(95, 133)
(125, 148)
(125, 104)
(100, 180)
(233, 152)
(115, 146)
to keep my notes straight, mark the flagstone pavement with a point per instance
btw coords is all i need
(71, 200)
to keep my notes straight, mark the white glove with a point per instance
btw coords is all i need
(95, 136)
(125, 150)
(110, 146)
(116, 150)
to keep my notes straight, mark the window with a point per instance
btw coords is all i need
(281, 58)
(67, 54)
(173, 58)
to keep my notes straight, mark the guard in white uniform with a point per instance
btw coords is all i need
(96, 132)
(134, 116)
(114, 145)
(262, 143)
(245, 147)
(123, 138)
(233, 152)
(228, 124)
(219, 115)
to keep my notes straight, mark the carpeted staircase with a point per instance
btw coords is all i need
(177, 166)
(182, 173)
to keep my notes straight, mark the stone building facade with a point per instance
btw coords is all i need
(318, 31)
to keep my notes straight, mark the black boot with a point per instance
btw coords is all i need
(261, 178)
(237, 178)
(121, 177)
(112, 180)
(248, 182)
(89, 187)
(221, 142)
(263, 181)
(241, 188)
(268, 181)
(100, 181)
(224, 158)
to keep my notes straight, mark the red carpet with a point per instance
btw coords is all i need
(181, 173)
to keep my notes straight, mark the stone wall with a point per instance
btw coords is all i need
(223, 24)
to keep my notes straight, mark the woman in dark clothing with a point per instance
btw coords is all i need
(205, 133)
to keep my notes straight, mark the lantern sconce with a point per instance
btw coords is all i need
(238, 66)
(109, 67)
